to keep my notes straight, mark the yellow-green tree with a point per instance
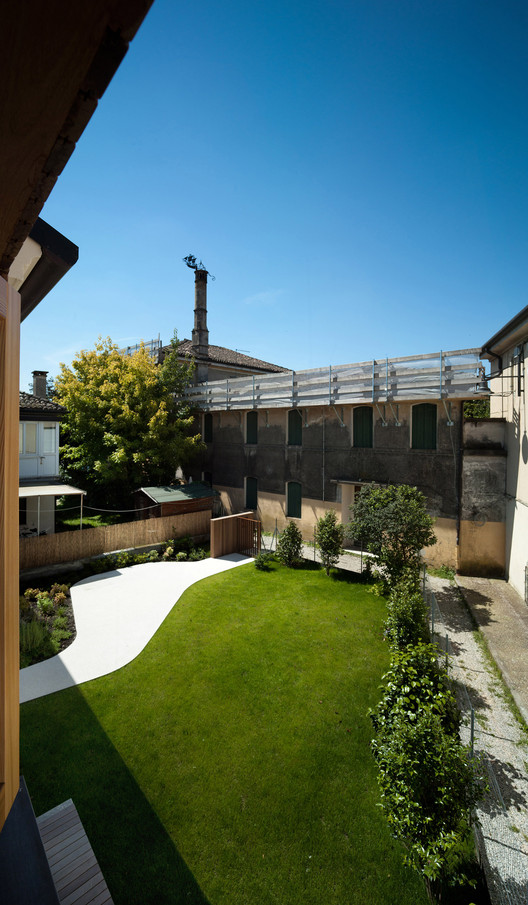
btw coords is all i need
(127, 425)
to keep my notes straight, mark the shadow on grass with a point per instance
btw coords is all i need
(308, 565)
(65, 753)
(349, 577)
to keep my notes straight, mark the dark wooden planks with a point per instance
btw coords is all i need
(74, 868)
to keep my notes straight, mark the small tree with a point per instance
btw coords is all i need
(393, 524)
(329, 536)
(289, 546)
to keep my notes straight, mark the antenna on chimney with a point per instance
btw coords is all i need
(190, 260)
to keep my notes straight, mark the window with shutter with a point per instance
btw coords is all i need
(251, 427)
(362, 427)
(251, 493)
(294, 428)
(208, 427)
(424, 426)
(293, 499)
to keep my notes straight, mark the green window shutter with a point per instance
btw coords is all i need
(363, 427)
(294, 428)
(293, 499)
(251, 493)
(424, 426)
(208, 428)
(251, 427)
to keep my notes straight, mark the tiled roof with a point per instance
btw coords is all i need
(31, 403)
(221, 355)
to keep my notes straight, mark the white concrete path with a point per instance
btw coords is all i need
(116, 615)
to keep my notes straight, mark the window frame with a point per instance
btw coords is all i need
(253, 415)
(289, 514)
(415, 443)
(248, 503)
(207, 427)
(295, 432)
(355, 444)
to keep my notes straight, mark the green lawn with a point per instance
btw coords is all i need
(68, 517)
(229, 764)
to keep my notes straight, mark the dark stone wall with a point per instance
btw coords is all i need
(326, 455)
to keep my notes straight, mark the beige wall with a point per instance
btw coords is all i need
(481, 550)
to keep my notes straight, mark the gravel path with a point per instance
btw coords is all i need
(503, 815)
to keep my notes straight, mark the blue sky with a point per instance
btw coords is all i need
(353, 173)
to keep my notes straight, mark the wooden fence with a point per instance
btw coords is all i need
(235, 534)
(70, 546)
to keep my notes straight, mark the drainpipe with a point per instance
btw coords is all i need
(324, 463)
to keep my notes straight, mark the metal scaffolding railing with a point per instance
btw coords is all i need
(436, 376)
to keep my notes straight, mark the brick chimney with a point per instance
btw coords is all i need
(39, 384)
(200, 334)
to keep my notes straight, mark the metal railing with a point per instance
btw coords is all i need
(439, 375)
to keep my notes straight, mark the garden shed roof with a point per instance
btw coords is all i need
(175, 493)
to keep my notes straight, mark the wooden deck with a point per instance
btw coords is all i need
(74, 868)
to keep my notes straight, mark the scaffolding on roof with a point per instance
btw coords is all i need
(436, 376)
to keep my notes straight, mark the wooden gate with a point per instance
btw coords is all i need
(235, 534)
(249, 536)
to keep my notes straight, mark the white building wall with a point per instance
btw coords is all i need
(509, 401)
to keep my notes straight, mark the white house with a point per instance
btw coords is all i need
(507, 351)
(38, 446)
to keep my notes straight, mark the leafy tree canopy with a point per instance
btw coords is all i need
(127, 425)
(392, 523)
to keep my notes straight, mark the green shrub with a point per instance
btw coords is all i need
(31, 593)
(329, 536)
(181, 556)
(443, 572)
(35, 643)
(183, 544)
(428, 788)
(59, 589)
(153, 556)
(124, 559)
(289, 546)
(197, 554)
(413, 682)
(24, 605)
(263, 561)
(407, 621)
(45, 603)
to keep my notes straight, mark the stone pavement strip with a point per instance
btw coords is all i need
(503, 814)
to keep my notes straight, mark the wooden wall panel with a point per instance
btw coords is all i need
(9, 654)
